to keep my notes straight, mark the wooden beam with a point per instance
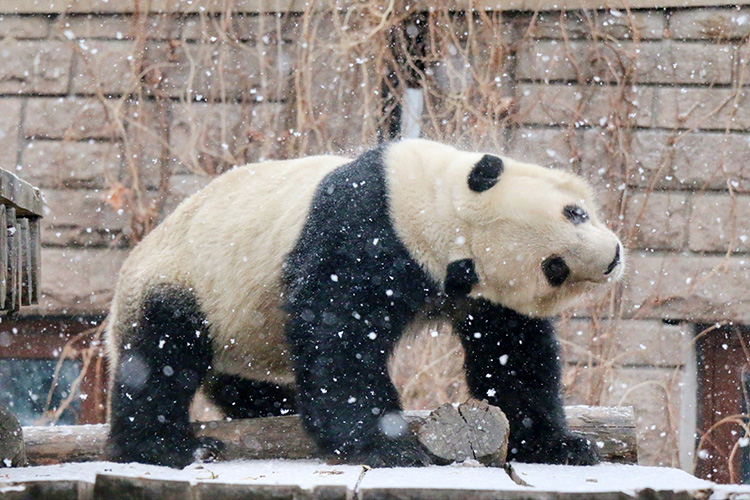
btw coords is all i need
(612, 429)
(25, 198)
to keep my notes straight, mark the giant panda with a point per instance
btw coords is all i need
(283, 287)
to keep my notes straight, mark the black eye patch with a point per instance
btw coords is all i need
(555, 270)
(575, 214)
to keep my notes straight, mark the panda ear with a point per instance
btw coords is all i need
(485, 173)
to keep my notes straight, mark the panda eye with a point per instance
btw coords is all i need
(575, 214)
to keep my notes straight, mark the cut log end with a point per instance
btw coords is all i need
(473, 430)
(12, 448)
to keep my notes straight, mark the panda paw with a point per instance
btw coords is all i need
(567, 449)
(177, 453)
(393, 453)
(577, 450)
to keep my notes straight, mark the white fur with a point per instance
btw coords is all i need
(507, 230)
(227, 242)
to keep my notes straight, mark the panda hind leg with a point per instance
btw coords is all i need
(163, 359)
(239, 397)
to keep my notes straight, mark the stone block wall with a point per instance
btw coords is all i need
(118, 111)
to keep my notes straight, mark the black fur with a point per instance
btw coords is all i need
(555, 270)
(242, 398)
(460, 276)
(512, 361)
(352, 288)
(485, 173)
(162, 362)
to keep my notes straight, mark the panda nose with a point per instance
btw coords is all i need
(612, 265)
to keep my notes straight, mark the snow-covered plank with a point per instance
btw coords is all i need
(730, 492)
(620, 478)
(303, 473)
(250, 478)
(313, 479)
(19, 194)
(435, 483)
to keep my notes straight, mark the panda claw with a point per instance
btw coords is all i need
(208, 449)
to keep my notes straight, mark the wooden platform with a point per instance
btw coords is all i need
(312, 479)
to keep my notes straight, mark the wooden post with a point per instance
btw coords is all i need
(36, 258)
(12, 285)
(25, 269)
(4, 276)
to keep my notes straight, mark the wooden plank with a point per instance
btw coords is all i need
(25, 198)
(259, 438)
(35, 235)
(3, 257)
(298, 6)
(630, 480)
(25, 270)
(437, 483)
(12, 268)
(277, 479)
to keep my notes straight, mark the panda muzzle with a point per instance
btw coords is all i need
(612, 265)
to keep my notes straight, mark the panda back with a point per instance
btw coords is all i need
(227, 243)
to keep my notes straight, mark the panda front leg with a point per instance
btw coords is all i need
(512, 361)
(345, 396)
(162, 360)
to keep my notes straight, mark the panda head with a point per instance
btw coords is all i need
(534, 235)
(520, 235)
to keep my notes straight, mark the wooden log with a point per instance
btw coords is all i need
(12, 450)
(612, 429)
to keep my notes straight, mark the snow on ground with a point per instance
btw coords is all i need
(310, 473)
(303, 473)
(607, 477)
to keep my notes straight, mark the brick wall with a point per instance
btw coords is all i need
(118, 114)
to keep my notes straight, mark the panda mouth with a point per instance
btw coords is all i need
(612, 265)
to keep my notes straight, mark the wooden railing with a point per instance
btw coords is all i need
(21, 209)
